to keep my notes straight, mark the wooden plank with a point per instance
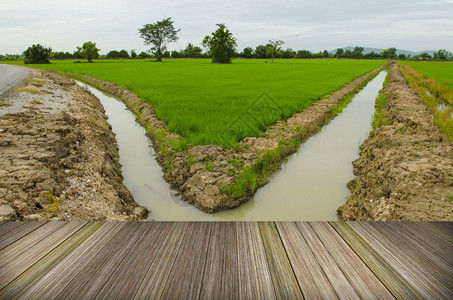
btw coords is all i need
(388, 276)
(220, 279)
(10, 234)
(310, 276)
(129, 274)
(436, 232)
(6, 227)
(31, 255)
(9, 253)
(285, 282)
(444, 229)
(365, 283)
(424, 283)
(337, 279)
(30, 276)
(255, 281)
(155, 279)
(422, 247)
(185, 277)
(103, 264)
(54, 281)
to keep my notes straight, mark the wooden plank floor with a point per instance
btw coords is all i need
(226, 260)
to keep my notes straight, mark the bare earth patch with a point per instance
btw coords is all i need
(405, 171)
(59, 158)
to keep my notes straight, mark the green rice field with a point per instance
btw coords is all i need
(442, 72)
(221, 104)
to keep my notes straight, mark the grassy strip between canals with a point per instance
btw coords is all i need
(257, 175)
(379, 118)
(201, 101)
(433, 95)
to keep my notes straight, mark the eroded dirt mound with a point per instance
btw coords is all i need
(59, 158)
(405, 171)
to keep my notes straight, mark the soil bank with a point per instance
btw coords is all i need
(59, 158)
(405, 171)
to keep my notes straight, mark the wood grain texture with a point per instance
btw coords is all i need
(255, 280)
(153, 284)
(334, 274)
(23, 282)
(388, 276)
(52, 283)
(185, 279)
(220, 278)
(366, 284)
(132, 270)
(226, 260)
(285, 282)
(13, 231)
(30, 255)
(424, 283)
(312, 279)
(412, 239)
(104, 263)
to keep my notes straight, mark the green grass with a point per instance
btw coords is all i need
(378, 118)
(221, 104)
(442, 72)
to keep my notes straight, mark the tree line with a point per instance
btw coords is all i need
(220, 46)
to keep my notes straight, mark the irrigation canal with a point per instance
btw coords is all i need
(310, 186)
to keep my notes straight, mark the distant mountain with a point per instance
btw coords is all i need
(379, 50)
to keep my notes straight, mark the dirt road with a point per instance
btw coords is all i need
(10, 76)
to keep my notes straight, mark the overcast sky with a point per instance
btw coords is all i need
(314, 25)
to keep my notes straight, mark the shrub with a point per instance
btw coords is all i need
(37, 54)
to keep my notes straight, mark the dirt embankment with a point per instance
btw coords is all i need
(405, 170)
(59, 158)
(213, 178)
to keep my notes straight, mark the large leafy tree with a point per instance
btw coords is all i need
(221, 45)
(37, 54)
(159, 35)
(89, 51)
(274, 47)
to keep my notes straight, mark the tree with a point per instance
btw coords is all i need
(304, 54)
(347, 54)
(133, 53)
(159, 35)
(389, 53)
(89, 51)
(442, 54)
(192, 51)
(357, 52)
(339, 52)
(260, 51)
(274, 48)
(37, 54)
(221, 45)
(288, 53)
(325, 53)
(425, 56)
(247, 52)
(144, 55)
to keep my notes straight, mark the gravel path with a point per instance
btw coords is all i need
(10, 76)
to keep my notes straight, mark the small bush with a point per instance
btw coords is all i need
(37, 54)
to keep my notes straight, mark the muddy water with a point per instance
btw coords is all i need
(310, 186)
(142, 174)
